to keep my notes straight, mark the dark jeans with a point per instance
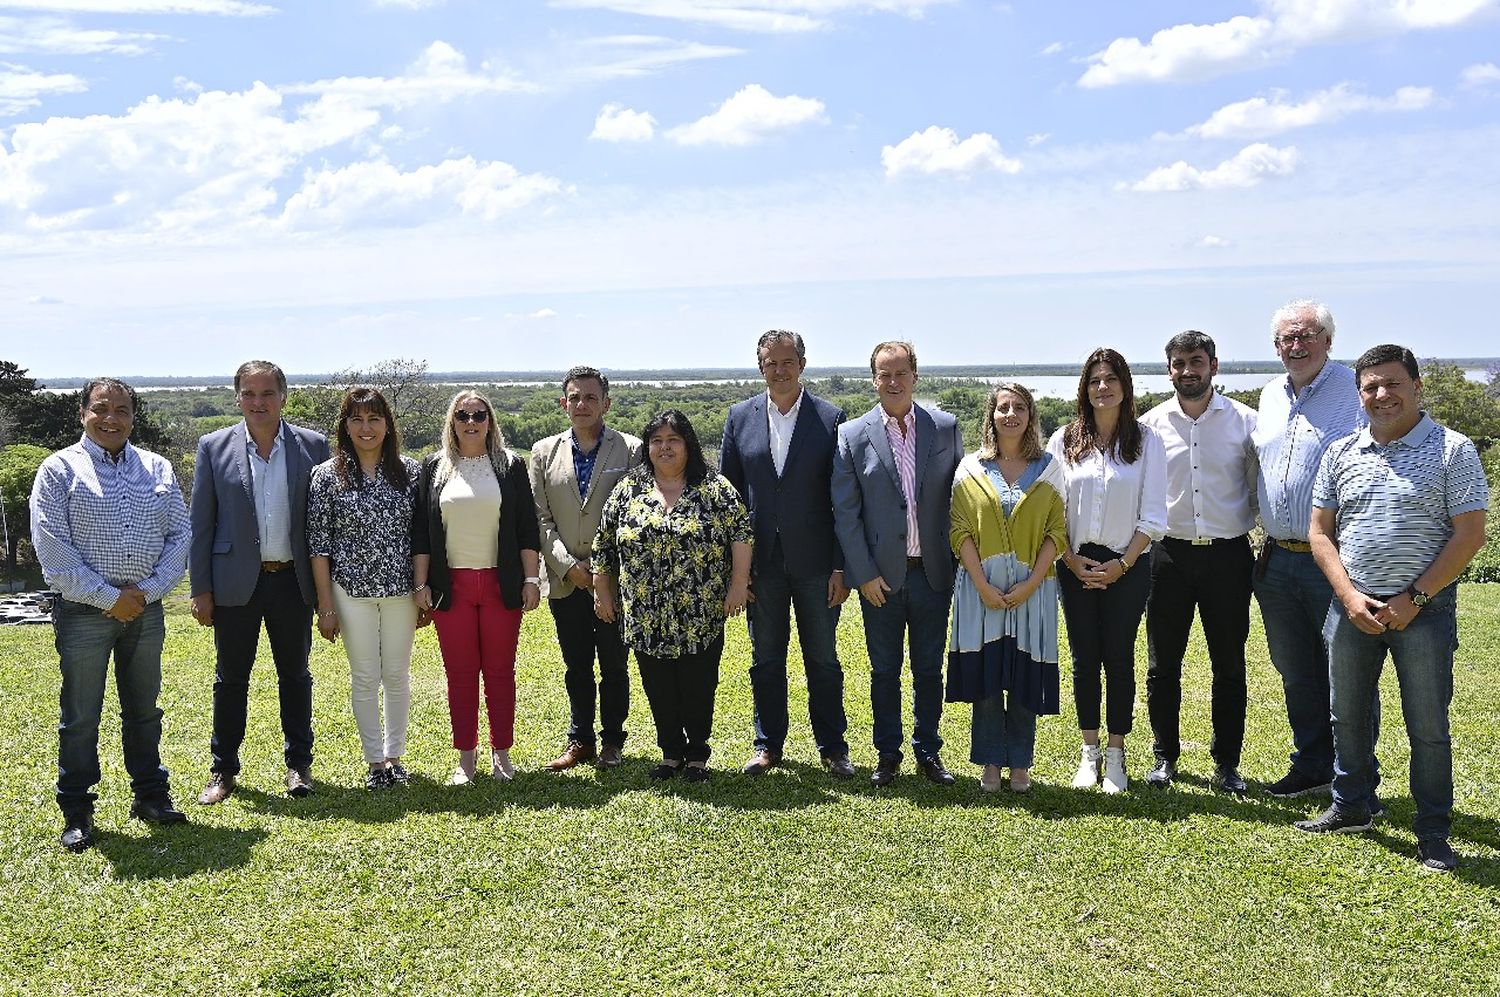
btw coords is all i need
(1214, 579)
(919, 613)
(85, 639)
(1102, 624)
(580, 635)
(681, 694)
(278, 603)
(770, 618)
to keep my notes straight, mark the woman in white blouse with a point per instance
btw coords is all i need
(1116, 475)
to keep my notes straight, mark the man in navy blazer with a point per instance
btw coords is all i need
(892, 489)
(778, 453)
(248, 564)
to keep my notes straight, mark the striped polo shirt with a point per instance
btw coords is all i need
(1396, 501)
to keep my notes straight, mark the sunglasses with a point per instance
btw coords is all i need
(464, 415)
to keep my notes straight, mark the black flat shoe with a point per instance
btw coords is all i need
(78, 835)
(664, 771)
(158, 811)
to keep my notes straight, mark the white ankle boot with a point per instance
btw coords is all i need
(1087, 776)
(1115, 779)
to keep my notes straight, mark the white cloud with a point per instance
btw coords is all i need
(230, 8)
(440, 73)
(1052, 49)
(1260, 116)
(770, 16)
(1214, 242)
(542, 313)
(42, 299)
(1188, 52)
(1037, 139)
(749, 116)
(22, 89)
(628, 56)
(408, 4)
(938, 150)
(617, 123)
(1247, 168)
(59, 37)
(1483, 74)
(378, 194)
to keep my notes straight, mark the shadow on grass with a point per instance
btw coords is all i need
(1479, 870)
(177, 850)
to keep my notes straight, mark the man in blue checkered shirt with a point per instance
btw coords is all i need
(111, 532)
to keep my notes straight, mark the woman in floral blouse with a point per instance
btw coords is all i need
(359, 519)
(674, 548)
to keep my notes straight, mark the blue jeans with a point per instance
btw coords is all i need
(770, 618)
(1004, 733)
(1423, 656)
(85, 639)
(918, 612)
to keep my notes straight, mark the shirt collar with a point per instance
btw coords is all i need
(97, 452)
(275, 440)
(891, 422)
(1311, 385)
(1216, 402)
(791, 413)
(1414, 437)
(573, 439)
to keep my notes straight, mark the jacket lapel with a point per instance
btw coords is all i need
(806, 416)
(875, 431)
(239, 443)
(926, 429)
(298, 466)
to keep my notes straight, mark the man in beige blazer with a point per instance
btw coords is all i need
(572, 474)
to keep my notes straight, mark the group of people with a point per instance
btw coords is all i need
(1371, 512)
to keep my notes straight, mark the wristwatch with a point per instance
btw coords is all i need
(1418, 598)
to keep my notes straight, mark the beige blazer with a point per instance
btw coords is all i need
(568, 523)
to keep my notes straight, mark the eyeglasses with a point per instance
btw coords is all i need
(1293, 338)
(464, 415)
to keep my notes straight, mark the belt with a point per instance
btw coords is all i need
(913, 562)
(1205, 541)
(1296, 546)
(275, 565)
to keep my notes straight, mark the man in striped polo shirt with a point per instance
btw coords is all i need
(1398, 513)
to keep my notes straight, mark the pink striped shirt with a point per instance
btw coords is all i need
(904, 448)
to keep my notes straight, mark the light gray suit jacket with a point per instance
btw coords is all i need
(568, 523)
(224, 558)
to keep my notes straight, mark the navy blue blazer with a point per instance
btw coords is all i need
(224, 557)
(797, 505)
(869, 507)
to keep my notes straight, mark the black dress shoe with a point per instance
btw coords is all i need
(298, 782)
(78, 833)
(839, 766)
(763, 761)
(933, 769)
(1162, 773)
(158, 810)
(886, 770)
(1227, 779)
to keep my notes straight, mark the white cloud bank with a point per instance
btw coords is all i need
(22, 89)
(938, 150)
(227, 8)
(765, 16)
(56, 36)
(614, 57)
(753, 113)
(617, 123)
(440, 73)
(1261, 116)
(1247, 168)
(1484, 74)
(1189, 52)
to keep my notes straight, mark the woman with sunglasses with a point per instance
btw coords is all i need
(478, 570)
(359, 519)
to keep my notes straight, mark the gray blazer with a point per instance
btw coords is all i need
(869, 509)
(568, 523)
(224, 559)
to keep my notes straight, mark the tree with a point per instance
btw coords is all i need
(18, 466)
(416, 404)
(1459, 403)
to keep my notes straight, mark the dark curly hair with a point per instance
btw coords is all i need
(678, 422)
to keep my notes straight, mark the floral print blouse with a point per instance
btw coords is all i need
(364, 529)
(673, 567)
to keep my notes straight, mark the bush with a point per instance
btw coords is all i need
(1486, 564)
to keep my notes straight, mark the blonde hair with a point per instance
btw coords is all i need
(494, 441)
(1031, 443)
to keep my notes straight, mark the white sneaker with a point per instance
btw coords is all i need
(1087, 776)
(1115, 779)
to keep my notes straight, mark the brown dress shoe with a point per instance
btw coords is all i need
(218, 789)
(298, 782)
(763, 761)
(575, 753)
(610, 756)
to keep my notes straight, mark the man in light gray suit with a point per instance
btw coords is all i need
(572, 474)
(248, 565)
(892, 489)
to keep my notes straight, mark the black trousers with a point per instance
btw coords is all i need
(581, 635)
(278, 603)
(681, 693)
(1102, 624)
(1215, 579)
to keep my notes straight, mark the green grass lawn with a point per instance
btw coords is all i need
(589, 883)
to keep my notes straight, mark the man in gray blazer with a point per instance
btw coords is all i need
(248, 565)
(572, 474)
(892, 489)
(778, 453)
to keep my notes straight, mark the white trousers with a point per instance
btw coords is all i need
(378, 635)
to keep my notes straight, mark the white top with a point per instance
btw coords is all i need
(1107, 500)
(273, 502)
(1210, 468)
(781, 427)
(470, 505)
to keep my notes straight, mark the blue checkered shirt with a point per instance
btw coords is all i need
(99, 523)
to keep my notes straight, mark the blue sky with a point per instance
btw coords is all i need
(524, 184)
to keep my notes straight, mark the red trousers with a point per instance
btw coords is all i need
(478, 636)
